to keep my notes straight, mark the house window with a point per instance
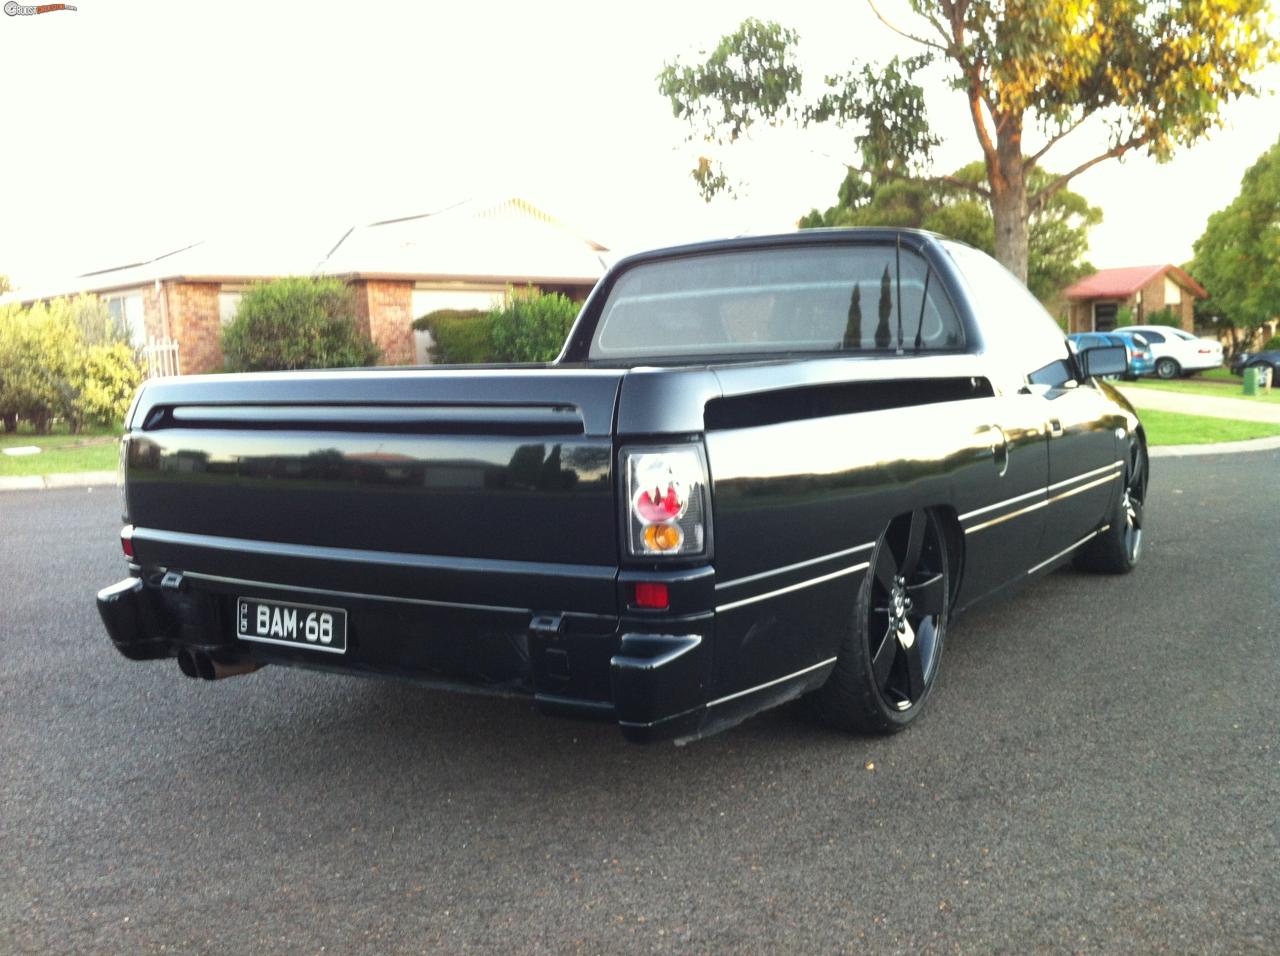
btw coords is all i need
(228, 305)
(1104, 316)
(129, 315)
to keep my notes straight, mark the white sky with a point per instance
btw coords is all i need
(133, 127)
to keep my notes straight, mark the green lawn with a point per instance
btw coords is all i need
(1219, 374)
(1169, 428)
(59, 452)
(1231, 387)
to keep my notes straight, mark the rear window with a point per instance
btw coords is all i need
(839, 298)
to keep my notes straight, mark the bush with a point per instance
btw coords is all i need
(532, 326)
(1273, 344)
(296, 322)
(106, 383)
(1165, 316)
(64, 359)
(1124, 316)
(461, 336)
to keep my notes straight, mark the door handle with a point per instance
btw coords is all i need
(1055, 428)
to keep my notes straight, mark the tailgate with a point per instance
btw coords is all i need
(505, 464)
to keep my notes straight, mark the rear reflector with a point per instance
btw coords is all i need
(652, 595)
(126, 541)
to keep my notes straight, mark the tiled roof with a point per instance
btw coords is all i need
(1122, 283)
(509, 240)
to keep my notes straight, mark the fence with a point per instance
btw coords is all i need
(162, 357)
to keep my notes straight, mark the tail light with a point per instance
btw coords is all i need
(126, 541)
(666, 501)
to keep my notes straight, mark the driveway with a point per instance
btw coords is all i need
(1097, 773)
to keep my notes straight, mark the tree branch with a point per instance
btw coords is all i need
(1032, 160)
(974, 188)
(903, 33)
(1036, 202)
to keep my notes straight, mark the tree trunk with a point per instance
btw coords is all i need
(1009, 198)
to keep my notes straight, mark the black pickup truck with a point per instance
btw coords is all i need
(760, 469)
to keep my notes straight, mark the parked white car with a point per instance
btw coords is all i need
(1177, 352)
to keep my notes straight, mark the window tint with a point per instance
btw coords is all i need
(1154, 337)
(817, 298)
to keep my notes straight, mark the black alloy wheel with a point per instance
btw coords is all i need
(889, 659)
(907, 608)
(1117, 549)
(1131, 504)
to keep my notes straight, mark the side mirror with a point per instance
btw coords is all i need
(1103, 360)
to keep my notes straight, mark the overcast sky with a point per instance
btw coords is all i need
(134, 127)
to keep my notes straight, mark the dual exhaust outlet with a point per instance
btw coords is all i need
(201, 666)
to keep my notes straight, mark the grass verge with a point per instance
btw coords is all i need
(1170, 428)
(1215, 388)
(59, 453)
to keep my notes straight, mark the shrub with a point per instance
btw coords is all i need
(1273, 344)
(1124, 316)
(1165, 316)
(106, 382)
(461, 336)
(64, 360)
(39, 349)
(532, 326)
(296, 322)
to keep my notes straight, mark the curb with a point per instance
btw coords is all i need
(70, 479)
(1222, 448)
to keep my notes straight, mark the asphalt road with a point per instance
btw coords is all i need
(1099, 771)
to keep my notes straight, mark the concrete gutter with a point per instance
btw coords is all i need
(71, 479)
(1221, 448)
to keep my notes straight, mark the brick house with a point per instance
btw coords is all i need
(1094, 301)
(461, 257)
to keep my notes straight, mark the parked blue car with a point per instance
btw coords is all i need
(1141, 361)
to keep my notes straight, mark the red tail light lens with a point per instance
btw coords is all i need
(653, 595)
(126, 541)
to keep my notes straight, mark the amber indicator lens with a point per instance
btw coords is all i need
(663, 538)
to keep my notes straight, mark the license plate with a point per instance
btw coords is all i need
(296, 625)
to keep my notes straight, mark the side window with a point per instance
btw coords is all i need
(1020, 335)
(1153, 337)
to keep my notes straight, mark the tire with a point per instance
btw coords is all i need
(888, 662)
(1117, 550)
(1168, 368)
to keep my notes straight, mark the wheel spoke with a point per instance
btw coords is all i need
(927, 597)
(915, 670)
(886, 567)
(915, 539)
(1135, 511)
(882, 661)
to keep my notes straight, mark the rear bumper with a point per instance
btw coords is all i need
(648, 672)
